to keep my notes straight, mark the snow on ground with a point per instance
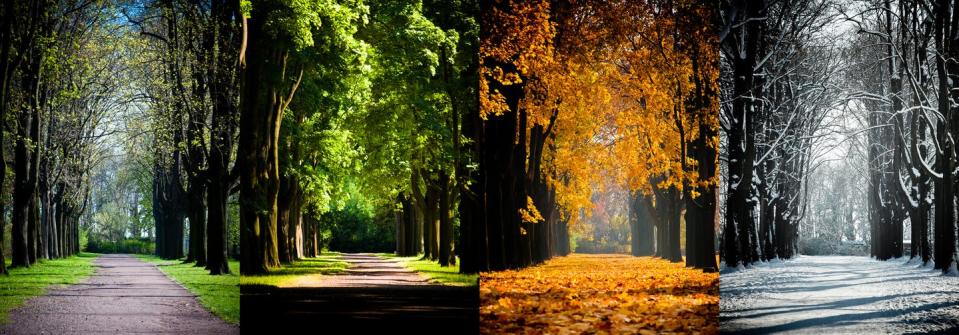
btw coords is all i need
(838, 295)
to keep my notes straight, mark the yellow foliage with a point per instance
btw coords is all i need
(530, 214)
(614, 79)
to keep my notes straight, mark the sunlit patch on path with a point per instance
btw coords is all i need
(366, 270)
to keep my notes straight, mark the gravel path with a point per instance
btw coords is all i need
(366, 270)
(838, 295)
(125, 295)
(371, 296)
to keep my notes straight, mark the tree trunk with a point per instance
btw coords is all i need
(944, 230)
(446, 257)
(641, 225)
(6, 41)
(283, 203)
(197, 216)
(266, 93)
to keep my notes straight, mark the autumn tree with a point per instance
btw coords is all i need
(562, 84)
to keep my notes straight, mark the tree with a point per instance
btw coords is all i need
(576, 94)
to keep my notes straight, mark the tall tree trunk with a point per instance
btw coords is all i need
(24, 230)
(944, 230)
(196, 213)
(284, 202)
(446, 257)
(641, 225)
(223, 91)
(737, 233)
(266, 93)
(6, 41)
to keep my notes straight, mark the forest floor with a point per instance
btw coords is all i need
(615, 294)
(372, 293)
(839, 295)
(124, 295)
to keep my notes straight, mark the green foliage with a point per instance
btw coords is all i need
(410, 123)
(126, 246)
(84, 238)
(384, 86)
(573, 242)
(233, 228)
(25, 283)
(296, 22)
(321, 150)
(376, 97)
(360, 227)
(609, 234)
(220, 294)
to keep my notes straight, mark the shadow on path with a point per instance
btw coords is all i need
(838, 295)
(374, 294)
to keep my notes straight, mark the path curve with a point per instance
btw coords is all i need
(126, 296)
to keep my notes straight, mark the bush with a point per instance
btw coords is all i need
(586, 246)
(357, 229)
(819, 246)
(128, 246)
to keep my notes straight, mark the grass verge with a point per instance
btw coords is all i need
(25, 283)
(449, 275)
(326, 264)
(219, 294)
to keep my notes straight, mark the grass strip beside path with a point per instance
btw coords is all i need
(326, 264)
(25, 283)
(219, 294)
(449, 275)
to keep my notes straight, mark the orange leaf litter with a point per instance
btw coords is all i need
(600, 294)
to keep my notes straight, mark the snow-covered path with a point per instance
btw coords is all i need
(838, 295)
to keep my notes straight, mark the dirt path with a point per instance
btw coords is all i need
(366, 270)
(373, 295)
(839, 295)
(125, 295)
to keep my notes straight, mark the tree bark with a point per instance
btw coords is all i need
(267, 91)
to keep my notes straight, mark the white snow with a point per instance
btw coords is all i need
(838, 295)
(953, 271)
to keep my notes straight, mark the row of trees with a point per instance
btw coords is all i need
(185, 56)
(343, 94)
(908, 102)
(883, 70)
(777, 96)
(572, 94)
(56, 95)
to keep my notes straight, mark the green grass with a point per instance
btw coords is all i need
(326, 264)
(449, 275)
(26, 283)
(220, 294)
